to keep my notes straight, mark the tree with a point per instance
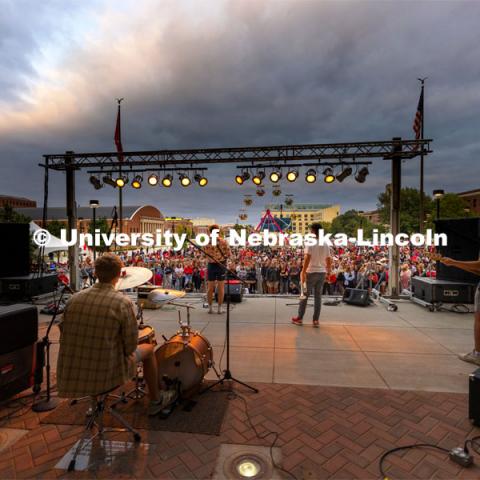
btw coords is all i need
(409, 208)
(9, 215)
(103, 226)
(55, 227)
(349, 222)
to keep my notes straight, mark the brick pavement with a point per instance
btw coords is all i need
(324, 432)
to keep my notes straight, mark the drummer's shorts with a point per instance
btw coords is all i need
(477, 299)
(215, 272)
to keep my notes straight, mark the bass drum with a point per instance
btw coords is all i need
(186, 360)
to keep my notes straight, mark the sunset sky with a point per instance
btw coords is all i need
(236, 73)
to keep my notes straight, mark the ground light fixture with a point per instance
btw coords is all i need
(95, 181)
(121, 181)
(137, 182)
(329, 177)
(167, 180)
(108, 180)
(200, 179)
(311, 176)
(258, 178)
(275, 176)
(185, 180)
(152, 179)
(346, 172)
(292, 175)
(361, 175)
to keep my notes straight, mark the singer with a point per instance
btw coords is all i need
(317, 265)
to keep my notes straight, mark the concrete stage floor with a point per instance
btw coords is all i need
(411, 349)
(366, 381)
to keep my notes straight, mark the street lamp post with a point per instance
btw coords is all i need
(437, 195)
(94, 204)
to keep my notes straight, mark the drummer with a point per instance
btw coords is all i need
(216, 261)
(98, 341)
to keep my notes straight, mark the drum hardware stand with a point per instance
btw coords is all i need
(391, 306)
(227, 374)
(49, 403)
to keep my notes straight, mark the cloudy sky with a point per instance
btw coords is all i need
(236, 73)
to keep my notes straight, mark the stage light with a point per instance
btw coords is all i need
(107, 179)
(329, 177)
(344, 174)
(292, 175)
(121, 181)
(167, 180)
(258, 178)
(275, 176)
(361, 175)
(137, 182)
(185, 180)
(201, 180)
(152, 180)
(242, 178)
(311, 176)
(95, 181)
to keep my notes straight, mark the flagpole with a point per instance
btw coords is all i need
(118, 141)
(422, 134)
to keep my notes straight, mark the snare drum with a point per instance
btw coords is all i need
(146, 335)
(184, 359)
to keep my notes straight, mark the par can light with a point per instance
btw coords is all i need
(167, 181)
(311, 176)
(292, 175)
(329, 177)
(152, 180)
(137, 182)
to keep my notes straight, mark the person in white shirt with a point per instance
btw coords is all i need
(317, 264)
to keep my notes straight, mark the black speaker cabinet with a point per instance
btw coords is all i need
(356, 296)
(236, 291)
(15, 246)
(474, 397)
(26, 287)
(18, 336)
(463, 236)
(432, 290)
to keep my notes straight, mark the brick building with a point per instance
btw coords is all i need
(16, 202)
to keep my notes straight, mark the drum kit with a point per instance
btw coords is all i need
(186, 357)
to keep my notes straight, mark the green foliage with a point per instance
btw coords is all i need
(349, 222)
(55, 227)
(102, 225)
(9, 215)
(451, 206)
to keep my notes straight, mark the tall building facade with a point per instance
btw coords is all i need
(302, 215)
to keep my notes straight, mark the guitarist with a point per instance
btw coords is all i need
(472, 267)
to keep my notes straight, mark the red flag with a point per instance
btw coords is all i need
(118, 136)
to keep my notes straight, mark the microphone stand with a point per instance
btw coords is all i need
(49, 403)
(227, 374)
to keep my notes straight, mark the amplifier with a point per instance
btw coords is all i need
(18, 337)
(142, 296)
(432, 290)
(28, 286)
(356, 296)
(236, 291)
(474, 397)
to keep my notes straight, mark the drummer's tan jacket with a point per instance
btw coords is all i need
(98, 336)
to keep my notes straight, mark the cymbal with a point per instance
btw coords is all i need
(163, 295)
(132, 277)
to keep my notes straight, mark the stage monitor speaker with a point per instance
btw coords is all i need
(474, 397)
(15, 244)
(356, 296)
(463, 244)
(432, 290)
(24, 288)
(236, 291)
(18, 347)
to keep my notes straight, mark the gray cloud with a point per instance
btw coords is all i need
(248, 73)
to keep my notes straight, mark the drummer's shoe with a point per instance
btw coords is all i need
(167, 397)
(297, 321)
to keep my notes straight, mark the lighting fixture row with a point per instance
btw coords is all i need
(310, 176)
(152, 180)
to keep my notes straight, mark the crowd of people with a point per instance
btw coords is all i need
(277, 271)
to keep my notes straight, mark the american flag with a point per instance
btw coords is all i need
(417, 122)
(118, 136)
